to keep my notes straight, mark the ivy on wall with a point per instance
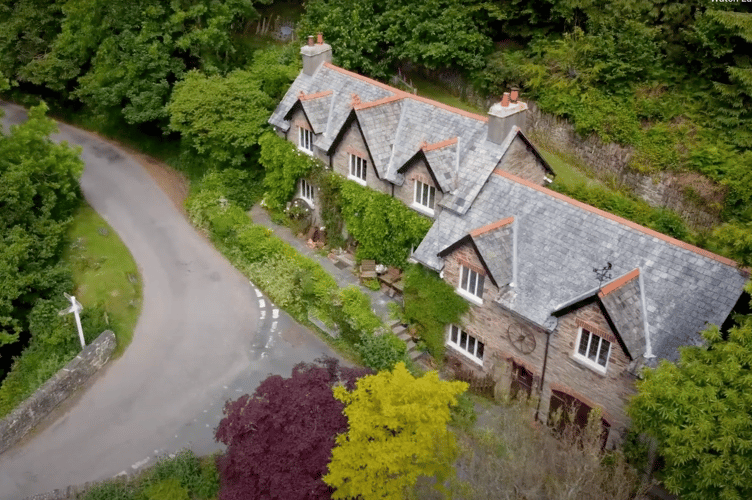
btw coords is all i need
(284, 165)
(384, 227)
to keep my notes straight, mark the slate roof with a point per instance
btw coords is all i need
(560, 241)
(623, 300)
(396, 125)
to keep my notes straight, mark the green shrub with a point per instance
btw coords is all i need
(166, 489)
(431, 304)
(381, 352)
(463, 413)
(352, 312)
(112, 490)
(284, 165)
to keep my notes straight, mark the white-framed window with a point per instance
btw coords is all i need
(424, 197)
(306, 191)
(592, 350)
(471, 285)
(466, 343)
(305, 140)
(358, 169)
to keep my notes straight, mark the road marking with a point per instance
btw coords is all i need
(224, 386)
(263, 354)
(263, 314)
(274, 325)
(140, 463)
(258, 293)
(122, 473)
(269, 343)
(262, 303)
(205, 411)
(275, 313)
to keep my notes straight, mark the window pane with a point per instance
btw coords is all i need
(479, 291)
(472, 282)
(603, 355)
(593, 352)
(471, 344)
(431, 196)
(417, 192)
(463, 280)
(584, 337)
(463, 339)
(479, 354)
(454, 334)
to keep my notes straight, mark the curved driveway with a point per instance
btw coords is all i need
(204, 335)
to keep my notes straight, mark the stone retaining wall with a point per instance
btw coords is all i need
(61, 386)
(611, 161)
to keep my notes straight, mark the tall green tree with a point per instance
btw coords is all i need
(125, 56)
(397, 433)
(38, 193)
(699, 411)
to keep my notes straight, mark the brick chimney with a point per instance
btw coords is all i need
(315, 54)
(504, 115)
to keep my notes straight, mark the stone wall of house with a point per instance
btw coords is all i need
(701, 208)
(353, 143)
(610, 391)
(406, 192)
(61, 386)
(520, 161)
(490, 324)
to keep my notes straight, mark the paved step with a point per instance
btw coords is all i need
(399, 330)
(393, 324)
(410, 345)
(414, 354)
(404, 336)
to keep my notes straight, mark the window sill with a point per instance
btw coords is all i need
(465, 355)
(357, 179)
(591, 365)
(422, 209)
(469, 296)
(306, 151)
(310, 202)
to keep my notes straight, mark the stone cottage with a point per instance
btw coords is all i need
(567, 301)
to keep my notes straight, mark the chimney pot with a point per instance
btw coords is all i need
(310, 40)
(320, 38)
(505, 100)
(514, 94)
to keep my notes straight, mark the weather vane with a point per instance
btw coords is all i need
(603, 274)
(75, 308)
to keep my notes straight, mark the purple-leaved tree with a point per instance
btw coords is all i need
(279, 440)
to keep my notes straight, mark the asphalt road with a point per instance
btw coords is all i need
(205, 335)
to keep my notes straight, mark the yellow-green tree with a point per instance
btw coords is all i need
(397, 433)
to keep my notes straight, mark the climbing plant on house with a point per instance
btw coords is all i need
(384, 227)
(284, 165)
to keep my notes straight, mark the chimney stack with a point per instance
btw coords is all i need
(315, 54)
(504, 115)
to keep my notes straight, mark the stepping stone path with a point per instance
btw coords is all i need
(401, 332)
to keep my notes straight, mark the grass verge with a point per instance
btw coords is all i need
(105, 274)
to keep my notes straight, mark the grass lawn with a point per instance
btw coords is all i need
(566, 173)
(105, 273)
(432, 90)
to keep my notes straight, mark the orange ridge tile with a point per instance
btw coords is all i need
(491, 227)
(618, 283)
(439, 145)
(308, 97)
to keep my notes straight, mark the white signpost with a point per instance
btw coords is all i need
(75, 308)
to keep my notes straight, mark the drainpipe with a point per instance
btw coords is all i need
(543, 375)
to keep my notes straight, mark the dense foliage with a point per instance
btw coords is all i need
(699, 411)
(397, 433)
(183, 476)
(120, 57)
(279, 440)
(430, 304)
(284, 165)
(384, 227)
(38, 194)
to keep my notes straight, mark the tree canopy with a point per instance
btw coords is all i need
(699, 411)
(397, 433)
(38, 193)
(279, 440)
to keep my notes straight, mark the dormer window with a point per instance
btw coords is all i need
(471, 285)
(592, 350)
(424, 197)
(358, 169)
(305, 140)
